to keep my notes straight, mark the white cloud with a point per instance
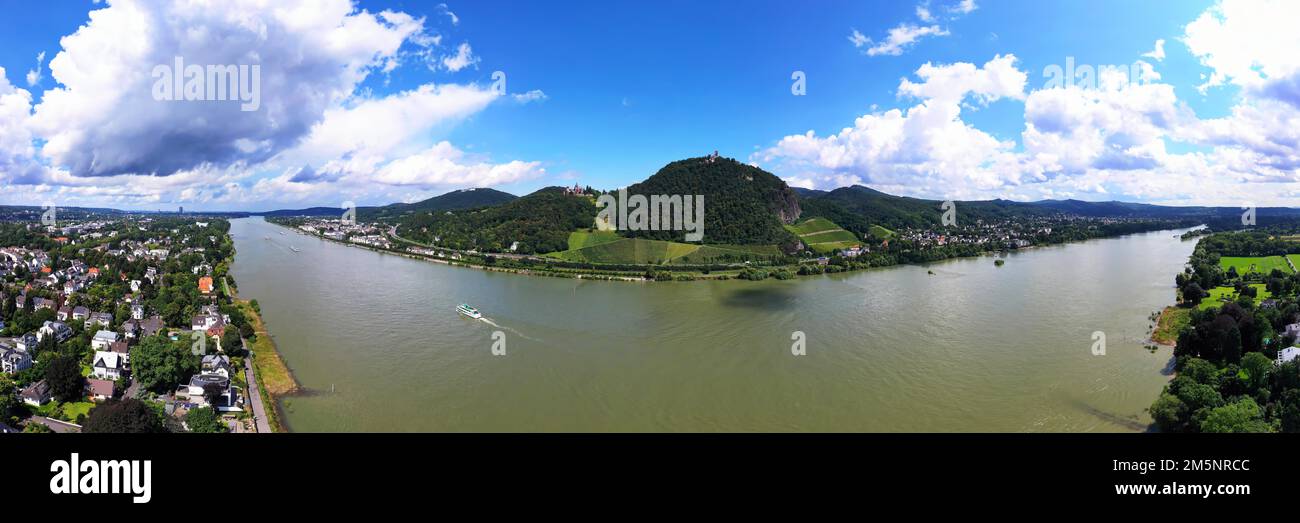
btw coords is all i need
(905, 35)
(455, 20)
(34, 75)
(926, 149)
(104, 119)
(443, 165)
(964, 7)
(17, 162)
(380, 128)
(1252, 44)
(858, 39)
(101, 139)
(998, 78)
(1158, 53)
(923, 12)
(463, 58)
(899, 39)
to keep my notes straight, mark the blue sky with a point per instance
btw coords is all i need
(605, 93)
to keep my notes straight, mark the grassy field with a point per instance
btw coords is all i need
(628, 250)
(1219, 294)
(601, 249)
(273, 376)
(584, 239)
(1295, 260)
(880, 232)
(1260, 264)
(822, 235)
(74, 409)
(1172, 320)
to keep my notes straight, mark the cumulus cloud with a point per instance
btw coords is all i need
(104, 119)
(101, 138)
(1251, 44)
(17, 162)
(927, 148)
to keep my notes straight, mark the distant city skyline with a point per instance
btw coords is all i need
(376, 102)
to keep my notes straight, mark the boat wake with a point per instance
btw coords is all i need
(503, 327)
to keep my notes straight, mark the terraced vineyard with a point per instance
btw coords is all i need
(823, 236)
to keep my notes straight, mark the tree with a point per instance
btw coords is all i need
(1242, 416)
(1193, 294)
(1169, 413)
(123, 416)
(64, 378)
(1257, 367)
(1290, 411)
(160, 364)
(204, 420)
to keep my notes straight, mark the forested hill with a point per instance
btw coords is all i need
(540, 222)
(452, 201)
(742, 203)
(856, 208)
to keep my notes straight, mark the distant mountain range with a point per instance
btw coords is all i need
(745, 204)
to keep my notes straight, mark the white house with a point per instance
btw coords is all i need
(102, 340)
(1288, 354)
(14, 360)
(36, 394)
(108, 365)
(60, 331)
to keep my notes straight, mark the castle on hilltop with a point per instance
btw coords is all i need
(712, 157)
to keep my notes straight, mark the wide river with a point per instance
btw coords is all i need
(375, 340)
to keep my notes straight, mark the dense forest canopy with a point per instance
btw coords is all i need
(742, 204)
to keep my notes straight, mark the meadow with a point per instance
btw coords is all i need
(1260, 264)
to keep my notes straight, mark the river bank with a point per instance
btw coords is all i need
(660, 273)
(274, 379)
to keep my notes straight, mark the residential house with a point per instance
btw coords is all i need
(64, 314)
(214, 373)
(102, 319)
(137, 312)
(103, 339)
(1292, 330)
(205, 285)
(99, 390)
(13, 360)
(108, 365)
(60, 331)
(36, 394)
(39, 303)
(121, 347)
(80, 313)
(27, 342)
(130, 328)
(218, 364)
(1288, 354)
(151, 326)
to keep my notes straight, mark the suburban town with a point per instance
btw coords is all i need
(123, 323)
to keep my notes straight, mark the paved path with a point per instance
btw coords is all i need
(255, 397)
